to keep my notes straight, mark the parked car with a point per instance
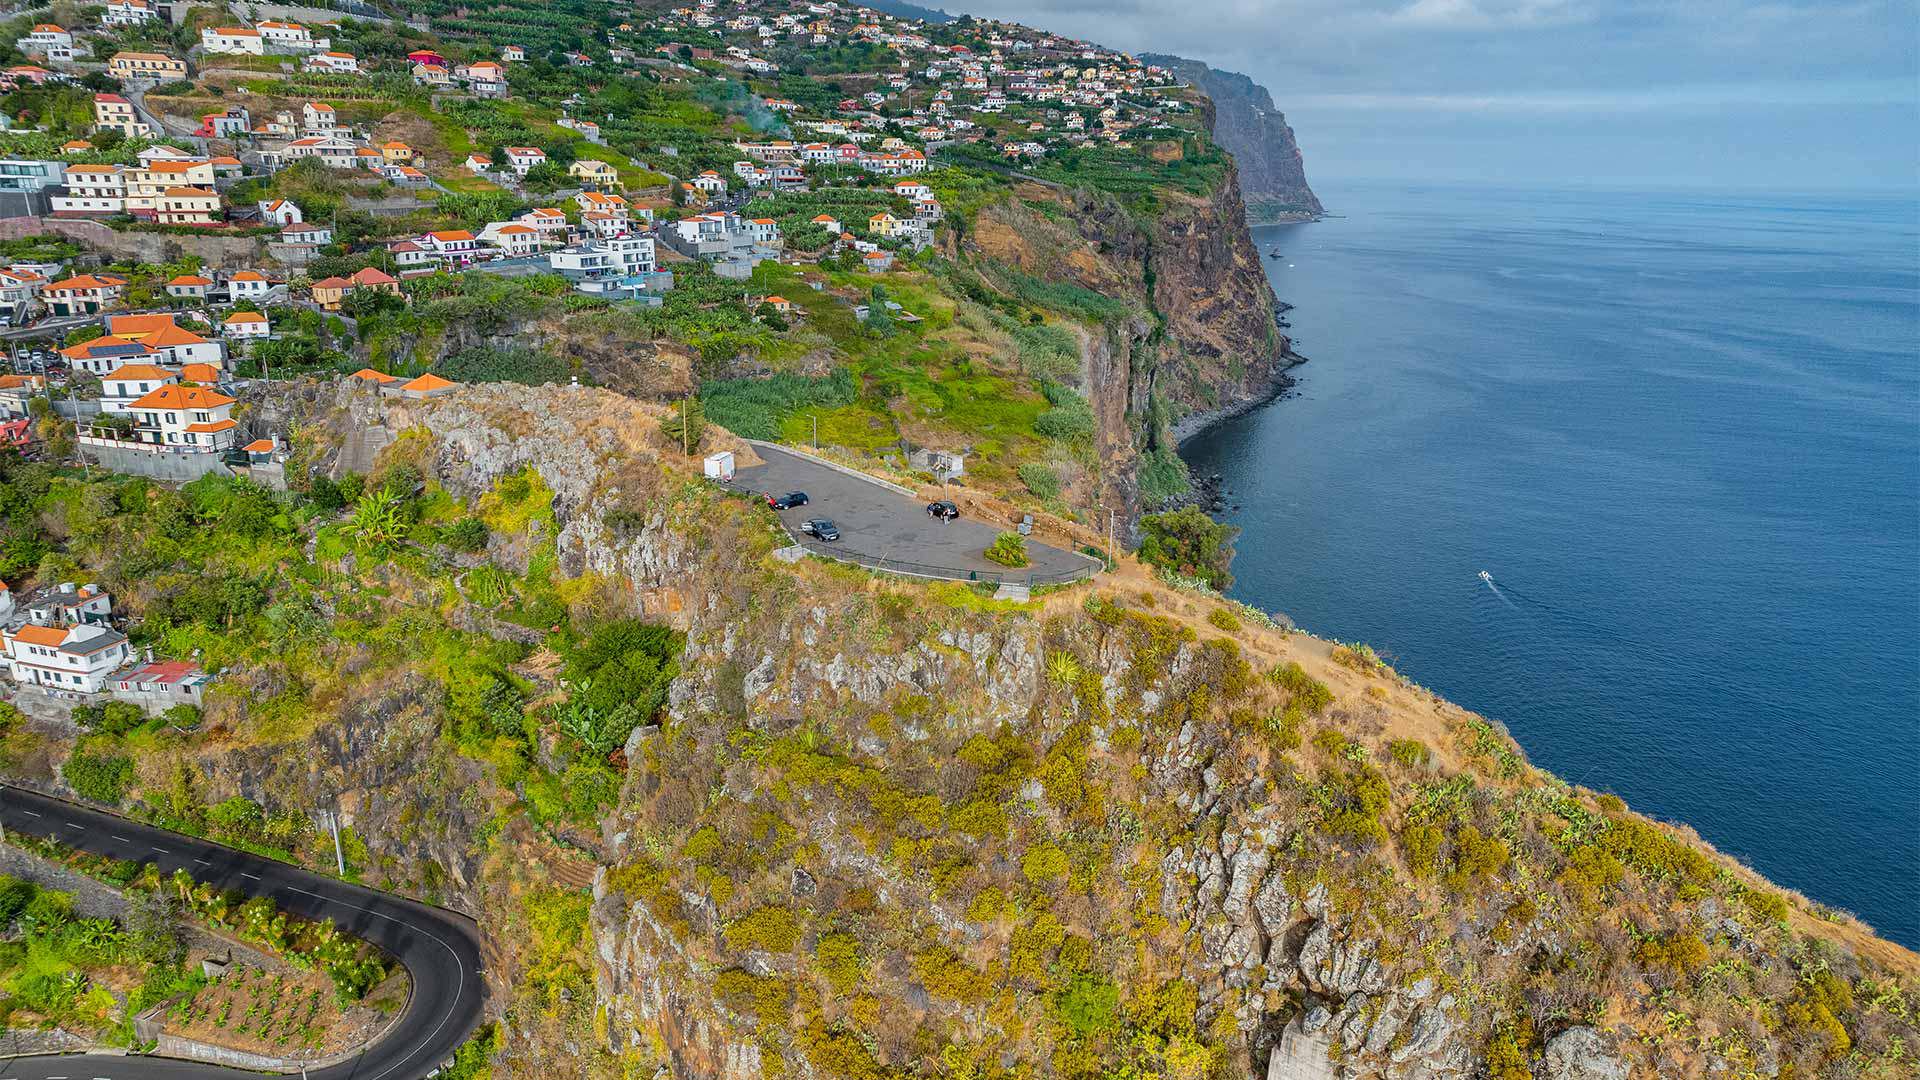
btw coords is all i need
(788, 501)
(821, 528)
(943, 509)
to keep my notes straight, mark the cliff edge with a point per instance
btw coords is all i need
(1273, 174)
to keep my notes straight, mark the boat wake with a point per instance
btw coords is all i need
(1488, 578)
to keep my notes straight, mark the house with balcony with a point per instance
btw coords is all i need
(171, 343)
(332, 63)
(334, 153)
(74, 659)
(146, 66)
(451, 245)
(188, 206)
(522, 159)
(183, 419)
(513, 239)
(128, 13)
(83, 294)
(111, 112)
(598, 175)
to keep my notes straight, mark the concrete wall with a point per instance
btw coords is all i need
(173, 468)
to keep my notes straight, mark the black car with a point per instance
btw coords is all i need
(943, 509)
(821, 528)
(788, 501)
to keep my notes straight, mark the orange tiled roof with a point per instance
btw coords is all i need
(139, 371)
(175, 396)
(429, 381)
(367, 374)
(47, 636)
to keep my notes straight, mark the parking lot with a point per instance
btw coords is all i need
(883, 529)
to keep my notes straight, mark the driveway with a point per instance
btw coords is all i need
(885, 530)
(440, 950)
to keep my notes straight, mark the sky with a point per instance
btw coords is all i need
(1784, 95)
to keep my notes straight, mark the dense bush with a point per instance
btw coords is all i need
(755, 408)
(101, 777)
(1008, 549)
(1188, 542)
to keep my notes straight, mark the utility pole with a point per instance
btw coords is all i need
(686, 436)
(816, 431)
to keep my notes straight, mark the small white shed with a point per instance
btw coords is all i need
(720, 466)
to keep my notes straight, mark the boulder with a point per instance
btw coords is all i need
(1581, 1053)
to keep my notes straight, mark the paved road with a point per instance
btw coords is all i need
(440, 950)
(881, 528)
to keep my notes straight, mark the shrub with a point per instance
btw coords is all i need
(467, 534)
(1223, 619)
(1188, 542)
(1309, 693)
(1041, 480)
(1008, 549)
(101, 777)
(838, 957)
(1044, 863)
(1162, 477)
(768, 929)
(1088, 1005)
(1422, 845)
(1409, 752)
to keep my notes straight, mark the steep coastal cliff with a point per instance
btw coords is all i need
(1272, 170)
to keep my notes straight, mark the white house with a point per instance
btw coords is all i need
(246, 324)
(521, 159)
(512, 238)
(128, 383)
(186, 419)
(279, 212)
(248, 285)
(451, 244)
(77, 659)
(710, 182)
(232, 41)
(319, 117)
(337, 63)
(128, 13)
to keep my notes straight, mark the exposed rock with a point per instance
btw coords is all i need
(1581, 1053)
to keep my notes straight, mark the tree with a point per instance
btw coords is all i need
(1187, 541)
(1008, 549)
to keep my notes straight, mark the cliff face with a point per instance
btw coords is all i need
(890, 829)
(1272, 171)
(1200, 336)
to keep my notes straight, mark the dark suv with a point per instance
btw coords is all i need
(788, 501)
(821, 528)
(944, 510)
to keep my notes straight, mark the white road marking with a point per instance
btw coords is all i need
(123, 840)
(29, 813)
(202, 862)
(82, 828)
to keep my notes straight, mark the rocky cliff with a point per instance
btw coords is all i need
(886, 829)
(1195, 332)
(1272, 171)
(892, 829)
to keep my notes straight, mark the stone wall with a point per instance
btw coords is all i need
(220, 252)
(172, 468)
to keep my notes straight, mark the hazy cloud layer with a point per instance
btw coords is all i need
(1751, 70)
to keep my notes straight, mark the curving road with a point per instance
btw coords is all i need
(440, 950)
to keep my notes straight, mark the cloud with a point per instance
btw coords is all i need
(1486, 14)
(1868, 92)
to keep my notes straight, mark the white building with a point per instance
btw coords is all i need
(76, 659)
(232, 41)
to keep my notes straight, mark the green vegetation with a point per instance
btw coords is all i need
(1188, 542)
(1008, 549)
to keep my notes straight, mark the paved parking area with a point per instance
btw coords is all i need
(881, 528)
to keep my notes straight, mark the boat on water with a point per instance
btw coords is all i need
(1274, 254)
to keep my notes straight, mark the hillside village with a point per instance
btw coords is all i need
(306, 182)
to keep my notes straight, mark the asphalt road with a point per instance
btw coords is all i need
(881, 528)
(440, 950)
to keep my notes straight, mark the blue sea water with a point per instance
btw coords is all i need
(1682, 432)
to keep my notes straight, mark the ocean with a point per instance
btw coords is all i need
(1682, 434)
